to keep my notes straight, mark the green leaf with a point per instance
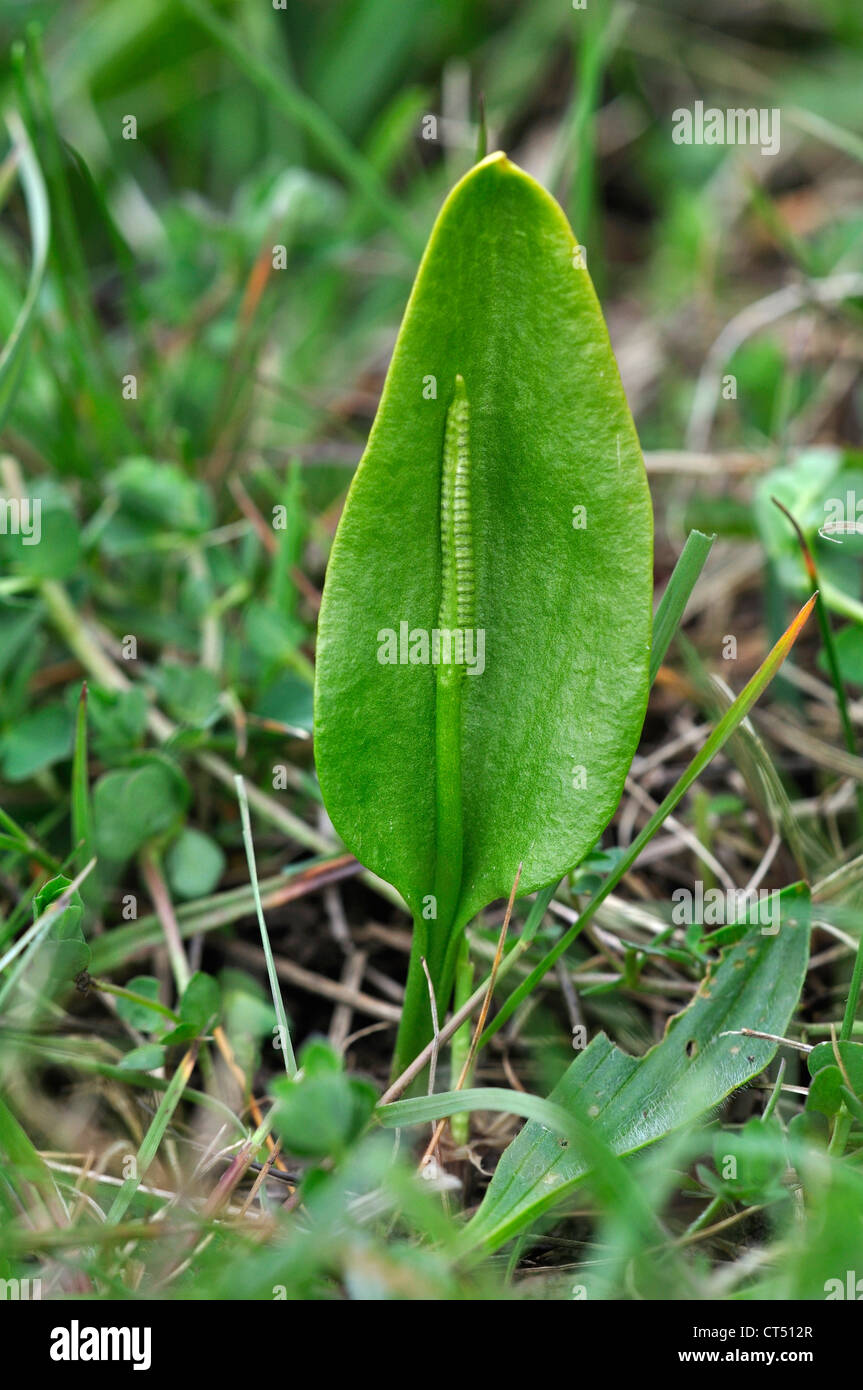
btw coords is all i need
(809, 1127)
(289, 701)
(17, 628)
(200, 1002)
(68, 924)
(273, 635)
(63, 953)
(146, 1058)
(199, 1008)
(636, 1101)
(138, 1015)
(163, 494)
(852, 1103)
(62, 961)
(53, 550)
(825, 1092)
(501, 416)
(118, 719)
(760, 1160)
(190, 693)
(849, 652)
(813, 487)
(194, 864)
(35, 742)
(133, 805)
(321, 1111)
(851, 1055)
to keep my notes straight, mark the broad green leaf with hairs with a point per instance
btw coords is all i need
(634, 1101)
(502, 504)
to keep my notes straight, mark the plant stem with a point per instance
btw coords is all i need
(161, 900)
(460, 1049)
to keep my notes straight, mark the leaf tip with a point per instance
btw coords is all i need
(792, 632)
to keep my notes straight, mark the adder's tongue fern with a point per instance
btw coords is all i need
(501, 420)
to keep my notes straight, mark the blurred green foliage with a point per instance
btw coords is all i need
(197, 375)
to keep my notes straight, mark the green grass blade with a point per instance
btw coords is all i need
(155, 1134)
(272, 974)
(421, 1109)
(673, 603)
(26, 1166)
